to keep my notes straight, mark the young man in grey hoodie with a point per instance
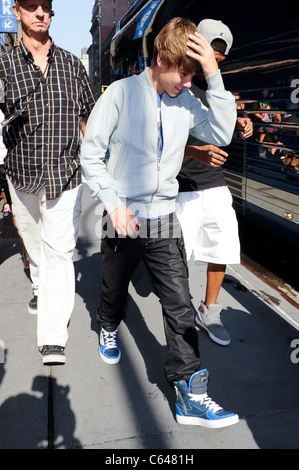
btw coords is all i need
(143, 122)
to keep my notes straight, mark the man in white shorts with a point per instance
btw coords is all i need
(204, 203)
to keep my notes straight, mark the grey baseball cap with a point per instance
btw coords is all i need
(215, 29)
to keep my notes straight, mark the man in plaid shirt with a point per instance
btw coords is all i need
(47, 100)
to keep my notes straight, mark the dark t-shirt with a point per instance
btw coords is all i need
(195, 175)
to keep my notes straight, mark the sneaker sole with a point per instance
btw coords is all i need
(214, 338)
(212, 424)
(109, 360)
(32, 311)
(53, 360)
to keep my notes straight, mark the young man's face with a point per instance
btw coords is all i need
(35, 15)
(173, 81)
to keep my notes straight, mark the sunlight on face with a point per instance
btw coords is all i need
(35, 15)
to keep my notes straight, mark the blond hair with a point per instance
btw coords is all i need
(171, 45)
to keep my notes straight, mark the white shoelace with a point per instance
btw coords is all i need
(110, 339)
(205, 400)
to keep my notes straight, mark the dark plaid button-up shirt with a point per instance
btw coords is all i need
(44, 141)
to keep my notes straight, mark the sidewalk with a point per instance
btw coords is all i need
(91, 405)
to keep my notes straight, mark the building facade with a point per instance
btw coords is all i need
(105, 16)
(7, 41)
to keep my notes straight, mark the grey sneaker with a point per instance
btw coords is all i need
(52, 355)
(32, 306)
(209, 319)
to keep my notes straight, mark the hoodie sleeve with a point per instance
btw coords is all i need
(103, 119)
(215, 124)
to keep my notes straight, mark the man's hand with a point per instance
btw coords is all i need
(208, 154)
(245, 126)
(203, 52)
(125, 222)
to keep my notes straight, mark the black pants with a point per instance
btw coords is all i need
(166, 261)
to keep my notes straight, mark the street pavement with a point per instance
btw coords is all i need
(129, 407)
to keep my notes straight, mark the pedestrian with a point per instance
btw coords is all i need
(143, 121)
(46, 104)
(204, 203)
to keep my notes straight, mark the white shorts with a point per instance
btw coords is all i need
(209, 225)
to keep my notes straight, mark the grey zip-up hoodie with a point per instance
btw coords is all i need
(124, 124)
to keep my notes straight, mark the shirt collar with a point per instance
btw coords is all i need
(29, 57)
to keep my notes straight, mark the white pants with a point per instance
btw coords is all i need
(209, 225)
(49, 229)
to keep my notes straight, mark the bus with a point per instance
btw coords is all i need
(262, 71)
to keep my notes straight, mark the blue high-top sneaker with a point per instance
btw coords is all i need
(108, 347)
(193, 406)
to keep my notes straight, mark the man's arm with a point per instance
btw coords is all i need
(221, 113)
(123, 219)
(100, 124)
(208, 154)
(212, 155)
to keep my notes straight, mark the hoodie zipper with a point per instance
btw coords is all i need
(159, 146)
